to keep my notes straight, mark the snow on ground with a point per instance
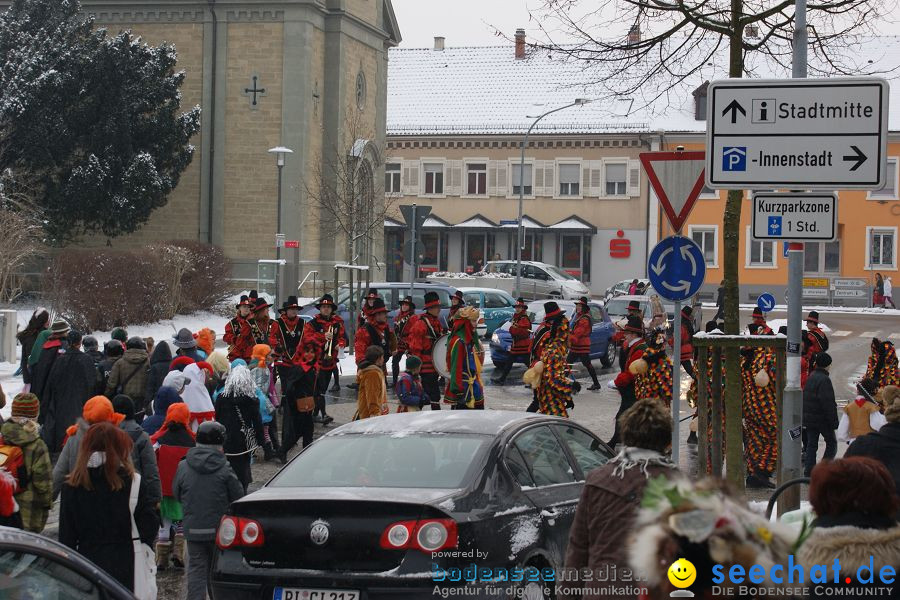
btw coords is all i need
(842, 310)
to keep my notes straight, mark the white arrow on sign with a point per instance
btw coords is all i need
(686, 255)
(660, 265)
(683, 286)
(767, 305)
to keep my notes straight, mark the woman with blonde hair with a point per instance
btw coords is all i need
(95, 517)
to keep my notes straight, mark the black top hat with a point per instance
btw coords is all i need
(253, 296)
(371, 294)
(291, 302)
(432, 300)
(634, 305)
(326, 300)
(520, 302)
(408, 300)
(260, 304)
(552, 310)
(244, 301)
(378, 307)
(634, 325)
(687, 311)
(583, 301)
(757, 312)
(459, 295)
(813, 316)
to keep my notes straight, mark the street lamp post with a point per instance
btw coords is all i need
(520, 230)
(279, 152)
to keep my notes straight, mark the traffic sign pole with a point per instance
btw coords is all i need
(415, 255)
(792, 403)
(676, 384)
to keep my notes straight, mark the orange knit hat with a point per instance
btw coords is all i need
(97, 410)
(260, 353)
(206, 339)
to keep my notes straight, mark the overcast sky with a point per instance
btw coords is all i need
(473, 22)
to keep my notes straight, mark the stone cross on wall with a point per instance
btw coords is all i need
(254, 92)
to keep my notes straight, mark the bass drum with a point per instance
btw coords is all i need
(439, 355)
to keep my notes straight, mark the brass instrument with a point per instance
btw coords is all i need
(328, 356)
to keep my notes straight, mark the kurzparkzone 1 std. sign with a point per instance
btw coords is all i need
(794, 216)
(803, 133)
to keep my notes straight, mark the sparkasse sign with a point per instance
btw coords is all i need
(794, 216)
(809, 133)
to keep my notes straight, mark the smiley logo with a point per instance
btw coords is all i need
(682, 573)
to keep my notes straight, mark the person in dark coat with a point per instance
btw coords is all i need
(112, 352)
(612, 493)
(91, 347)
(299, 424)
(50, 350)
(142, 456)
(71, 383)
(884, 444)
(237, 408)
(820, 416)
(204, 485)
(165, 397)
(40, 320)
(159, 368)
(129, 375)
(95, 516)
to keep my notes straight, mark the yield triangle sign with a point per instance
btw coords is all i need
(677, 178)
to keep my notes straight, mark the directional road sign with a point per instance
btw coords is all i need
(766, 302)
(421, 213)
(808, 133)
(676, 268)
(677, 179)
(794, 216)
(509, 221)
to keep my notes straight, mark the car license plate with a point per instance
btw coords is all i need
(314, 594)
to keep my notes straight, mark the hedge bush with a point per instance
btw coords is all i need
(98, 289)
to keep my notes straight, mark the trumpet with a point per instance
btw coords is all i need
(329, 342)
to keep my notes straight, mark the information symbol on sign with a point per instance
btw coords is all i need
(774, 225)
(763, 110)
(734, 158)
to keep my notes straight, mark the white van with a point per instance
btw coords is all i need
(541, 280)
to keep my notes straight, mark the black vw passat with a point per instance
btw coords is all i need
(393, 506)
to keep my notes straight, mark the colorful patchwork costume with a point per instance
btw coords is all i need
(556, 379)
(759, 406)
(464, 386)
(882, 366)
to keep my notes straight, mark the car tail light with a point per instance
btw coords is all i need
(427, 535)
(236, 531)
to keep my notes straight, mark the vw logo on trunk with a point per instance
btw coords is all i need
(318, 533)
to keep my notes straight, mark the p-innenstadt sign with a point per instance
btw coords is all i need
(807, 133)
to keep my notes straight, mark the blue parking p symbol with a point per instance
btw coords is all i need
(734, 158)
(775, 225)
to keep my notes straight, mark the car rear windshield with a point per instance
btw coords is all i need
(397, 460)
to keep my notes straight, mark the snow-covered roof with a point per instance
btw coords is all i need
(486, 90)
(476, 221)
(573, 223)
(435, 221)
(389, 222)
(527, 223)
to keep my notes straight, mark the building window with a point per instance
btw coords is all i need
(822, 257)
(392, 178)
(889, 191)
(762, 254)
(616, 175)
(516, 180)
(569, 180)
(361, 91)
(478, 247)
(705, 237)
(575, 256)
(476, 179)
(434, 178)
(435, 256)
(533, 249)
(882, 248)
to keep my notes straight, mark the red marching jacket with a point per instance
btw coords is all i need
(520, 330)
(580, 335)
(314, 332)
(626, 377)
(239, 339)
(687, 344)
(401, 329)
(286, 340)
(423, 332)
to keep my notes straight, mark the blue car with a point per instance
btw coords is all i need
(603, 348)
(497, 305)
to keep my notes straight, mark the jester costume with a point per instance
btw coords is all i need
(464, 387)
(693, 401)
(658, 380)
(882, 366)
(759, 406)
(555, 389)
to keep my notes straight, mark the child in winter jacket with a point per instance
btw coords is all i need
(205, 485)
(409, 387)
(372, 395)
(261, 369)
(862, 416)
(171, 443)
(36, 497)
